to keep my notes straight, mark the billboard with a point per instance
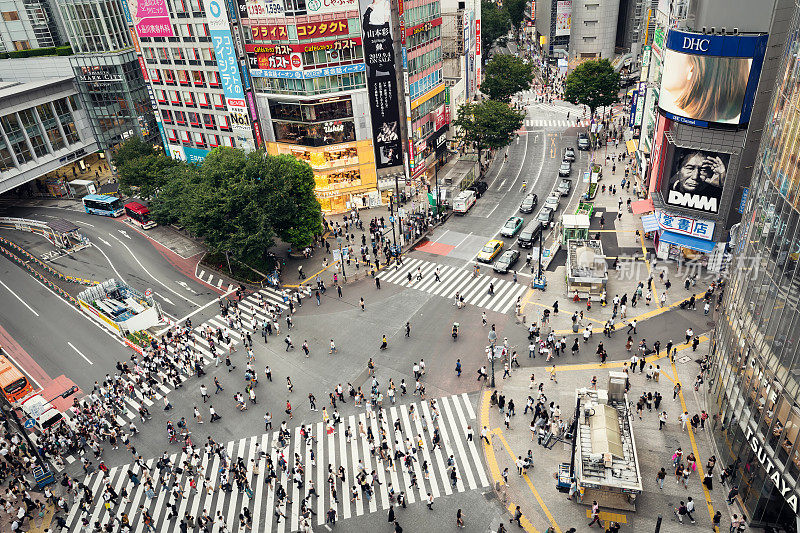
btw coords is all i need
(710, 78)
(376, 25)
(317, 30)
(696, 179)
(321, 7)
(151, 18)
(563, 17)
(219, 29)
(264, 8)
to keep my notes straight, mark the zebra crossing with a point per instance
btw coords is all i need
(475, 290)
(553, 123)
(253, 317)
(408, 429)
(218, 282)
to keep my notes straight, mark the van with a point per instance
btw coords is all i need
(41, 411)
(463, 202)
(530, 234)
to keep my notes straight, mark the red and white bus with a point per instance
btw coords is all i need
(139, 215)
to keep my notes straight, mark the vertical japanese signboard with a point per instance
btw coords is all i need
(219, 29)
(381, 82)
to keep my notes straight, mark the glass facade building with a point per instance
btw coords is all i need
(754, 386)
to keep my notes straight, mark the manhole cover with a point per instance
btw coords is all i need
(684, 359)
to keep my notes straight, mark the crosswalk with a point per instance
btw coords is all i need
(249, 309)
(553, 123)
(475, 290)
(415, 421)
(217, 282)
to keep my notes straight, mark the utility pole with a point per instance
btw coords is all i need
(492, 342)
(341, 258)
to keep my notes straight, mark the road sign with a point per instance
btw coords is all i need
(29, 423)
(401, 211)
(336, 255)
(148, 293)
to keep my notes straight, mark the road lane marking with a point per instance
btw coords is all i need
(212, 302)
(109, 261)
(79, 353)
(85, 223)
(32, 310)
(151, 275)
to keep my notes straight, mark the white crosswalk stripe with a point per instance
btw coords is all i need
(475, 290)
(416, 420)
(249, 308)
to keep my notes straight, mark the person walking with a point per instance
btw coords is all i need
(595, 515)
(213, 413)
(460, 519)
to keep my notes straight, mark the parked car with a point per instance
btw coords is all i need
(564, 187)
(506, 261)
(569, 154)
(553, 201)
(479, 187)
(512, 226)
(545, 216)
(583, 142)
(565, 169)
(528, 203)
(490, 250)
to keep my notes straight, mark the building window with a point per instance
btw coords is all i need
(31, 126)
(50, 126)
(6, 159)
(213, 140)
(67, 122)
(22, 45)
(16, 137)
(8, 16)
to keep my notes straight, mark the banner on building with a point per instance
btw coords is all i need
(151, 18)
(264, 8)
(219, 29)
(381, 82)
(321, 7)
(269, 32)
(563, 17)
(319, 30)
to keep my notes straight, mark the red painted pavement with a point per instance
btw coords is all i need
(435, 248)
(23, 359)
(53, 391)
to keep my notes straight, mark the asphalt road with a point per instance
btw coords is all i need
(120, 251)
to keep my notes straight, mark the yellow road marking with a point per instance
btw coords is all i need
(488, 449)
(613, 517)
(499, 433)
(620, 364)
(526, 524)
(649, 271)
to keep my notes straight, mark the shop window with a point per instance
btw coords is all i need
(320, 134)
(337, 180)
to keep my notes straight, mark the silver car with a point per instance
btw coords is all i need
(552, 202)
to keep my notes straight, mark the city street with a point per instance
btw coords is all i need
(416, 318)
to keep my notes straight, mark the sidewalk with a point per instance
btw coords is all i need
(536, 493)
(622, 237)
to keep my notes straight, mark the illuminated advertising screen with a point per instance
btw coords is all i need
(696, 179)
(710, 79)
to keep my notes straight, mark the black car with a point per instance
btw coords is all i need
(528, 203)
(506, 261)
(479, 187)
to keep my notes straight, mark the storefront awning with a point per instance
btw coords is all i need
(642, 206)
(631, 146)
(686, 241)
(650, 223)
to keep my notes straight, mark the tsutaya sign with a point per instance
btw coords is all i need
(774, 475)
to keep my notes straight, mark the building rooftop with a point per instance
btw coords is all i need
(13, 88)
(605, 448)
(585, 260)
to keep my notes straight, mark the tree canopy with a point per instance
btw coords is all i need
(505, 76)
(235, 202)
(516, 11)
(489, 124)
(495, 23)
(593, 83)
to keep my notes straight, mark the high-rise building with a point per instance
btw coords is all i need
(754, 383)
(107, 70)
(28, 24)
(461, 52)
(698, 142)
(353, 87)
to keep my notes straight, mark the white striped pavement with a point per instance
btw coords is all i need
(475, 290)
(454, 414)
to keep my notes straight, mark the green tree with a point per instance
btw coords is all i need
(593, 83)
(145, 175)
(131, 149)
(494, 24)
(488, 125)
(516, 11)
(506, 75)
